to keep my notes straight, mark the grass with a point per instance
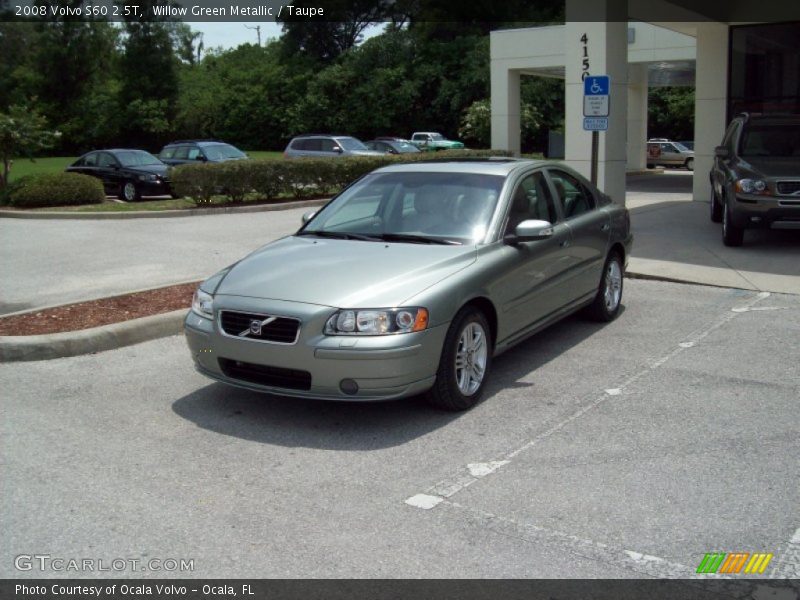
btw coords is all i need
(51, 164)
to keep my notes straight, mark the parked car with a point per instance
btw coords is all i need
(411, 280)
(321, 145)
(755, 180)
(431, 140)
(127, 173)
(662, 152)
(392, 146)
(192, 151)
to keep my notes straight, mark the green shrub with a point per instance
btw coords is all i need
(300, 178)
(56, 189)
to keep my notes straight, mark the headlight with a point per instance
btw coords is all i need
(203, 304)
(148, 177)
(752, 186)
(377, 321)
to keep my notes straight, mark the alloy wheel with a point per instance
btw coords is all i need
(613, 288)
(471, 358)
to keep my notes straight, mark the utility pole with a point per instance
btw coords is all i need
(258, 32)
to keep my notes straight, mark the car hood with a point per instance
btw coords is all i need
(771, 167)
(155, 169)
(343, 273)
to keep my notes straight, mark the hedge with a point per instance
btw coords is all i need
(298, 178)
(56, 189)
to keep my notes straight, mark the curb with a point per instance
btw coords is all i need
(159, 214)
(87, 341)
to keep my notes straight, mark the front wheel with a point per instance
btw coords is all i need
(129, 192)
(606, 304)
(716, 207)
(690, 164)
(731, 235)
(465, 363)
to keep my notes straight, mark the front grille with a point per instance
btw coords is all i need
(282, 330)
(291, 379)
(788, 187)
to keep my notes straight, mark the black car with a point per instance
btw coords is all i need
(129, 174)
(755, 180)
(193, 151)
(392, 145)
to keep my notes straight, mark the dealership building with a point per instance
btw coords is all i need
(734, 64)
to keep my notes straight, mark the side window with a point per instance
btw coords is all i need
(167, 153)
(90, 160)
(575, 198)
(106, 160)
(531, 200)
(668, 148)
(328, 145)
(181, 153)
(193, 153)
(312, 144)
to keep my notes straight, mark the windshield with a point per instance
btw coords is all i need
(223, 152)
(405, 147)
(774, 139)
(136, 158)
(437, 137)
(349, 143)
(681, 147)
(412, 207)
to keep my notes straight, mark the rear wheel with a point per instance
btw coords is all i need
(716, 207)
(608, 300)
(731, 235)
(465, 363)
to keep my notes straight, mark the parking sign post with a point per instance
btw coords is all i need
(596, 93)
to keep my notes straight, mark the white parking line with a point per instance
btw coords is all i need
(465, 477)
(787, 559)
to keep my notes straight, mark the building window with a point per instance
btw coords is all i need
(764, 69)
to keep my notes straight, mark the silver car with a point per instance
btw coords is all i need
(411, 281)
(320, 146)
(669, 154)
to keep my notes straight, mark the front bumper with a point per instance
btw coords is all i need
(776, 212)
(383, 367)
(154, 188)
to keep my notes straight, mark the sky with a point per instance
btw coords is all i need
(231, 35)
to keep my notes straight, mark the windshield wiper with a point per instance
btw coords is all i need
(341, 235)
(418, 239)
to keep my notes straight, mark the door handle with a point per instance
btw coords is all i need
(564, 243)
(605, 227)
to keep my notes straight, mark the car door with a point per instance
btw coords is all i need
(670, 155)
(88, 165)
(532, 275)
(109, 170)
(590, 227)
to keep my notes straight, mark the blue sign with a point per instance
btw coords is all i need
(597, 85)
(595, 123)
(596, 96)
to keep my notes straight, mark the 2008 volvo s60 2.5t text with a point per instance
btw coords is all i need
(411, 280)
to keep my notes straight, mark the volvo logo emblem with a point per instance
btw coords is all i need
(256, 325)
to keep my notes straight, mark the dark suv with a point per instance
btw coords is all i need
(755, 180)
(192, 151)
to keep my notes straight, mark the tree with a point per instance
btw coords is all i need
(23, 134)
(671, 113)
(476, 123)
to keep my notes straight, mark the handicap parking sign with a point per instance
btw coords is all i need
(595, 96)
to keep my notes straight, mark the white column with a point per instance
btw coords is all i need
(710, 102)
(637, 117)
(607, 46)
(505, 109)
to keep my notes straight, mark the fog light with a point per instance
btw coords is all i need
(348, 386)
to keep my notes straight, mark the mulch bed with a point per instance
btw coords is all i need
(84, 315)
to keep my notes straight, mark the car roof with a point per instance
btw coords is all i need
(112, 150)
(500, 165)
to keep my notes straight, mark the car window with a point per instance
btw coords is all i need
(576, 199)
(181, 153)
(193, 153)
(310, 144)
(667, 148)
(90, 160)
(222, 152)
(350, 144)
(531, 200)
(779, 140)
(137, 158)
(106, 160)
(167, 153)
(328, 145)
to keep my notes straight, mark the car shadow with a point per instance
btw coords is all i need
(362, 426)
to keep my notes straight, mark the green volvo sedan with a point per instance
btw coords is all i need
(411, 281)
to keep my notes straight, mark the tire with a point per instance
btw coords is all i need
(731, 235)
(689, 164)
(460, 388)
(651, 166)
(129, 192)
(174, 196)
(606, 304)
(716, 207)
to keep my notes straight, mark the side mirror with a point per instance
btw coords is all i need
(308, 216)
(722, 152)
(201, 158)
(338, 149)
(530, 231)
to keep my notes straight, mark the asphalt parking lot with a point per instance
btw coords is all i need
(624, 450)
